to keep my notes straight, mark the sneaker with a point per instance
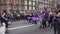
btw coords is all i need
(6, 31)
(42, 29)
(45, 28)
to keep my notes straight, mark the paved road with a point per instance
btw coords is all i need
(27, 29)
(19, 23)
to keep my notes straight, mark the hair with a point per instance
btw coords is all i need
(58, 11)
(5, 11)
(58, 6)
(45, 8)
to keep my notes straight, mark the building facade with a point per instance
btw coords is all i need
(22, 5)
(46, 3)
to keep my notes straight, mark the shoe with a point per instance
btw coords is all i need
(45, 28)
(6, 31)
(42, 29)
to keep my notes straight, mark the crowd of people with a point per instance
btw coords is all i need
(52, 17)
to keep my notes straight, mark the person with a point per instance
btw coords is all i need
(44, 19)
(18, 17)
(51, 15)
(34, 18)
(29, 18)
(5, 19)
(22, 16)
(40, 20)
(56, 23)
(1, 18)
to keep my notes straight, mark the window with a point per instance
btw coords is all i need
(36, 0)
(33, 3)
(17, 1)
(39, 0)
(46, 5)
(29, 7)
(25, 7)
(49, 0)
(33, 8)
(33, 0)
(46, 1)
(25, 2)
(11, 1)
(15, 7)
(20, 8)
(9, 8)
(29, 2)
(7, 2)
(43, 0)
(3, 7)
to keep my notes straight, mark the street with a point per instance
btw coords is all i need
(22, 27)
(15, 14)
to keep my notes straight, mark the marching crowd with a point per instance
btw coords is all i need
(52, 17)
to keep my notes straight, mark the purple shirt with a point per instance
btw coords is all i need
(35, 18)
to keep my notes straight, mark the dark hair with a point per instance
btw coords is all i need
(58, 11)
(45, 8)
(5, 11)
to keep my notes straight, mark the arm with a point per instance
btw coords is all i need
(54, 20)
(4, 17)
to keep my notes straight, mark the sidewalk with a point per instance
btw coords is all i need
(2, 29)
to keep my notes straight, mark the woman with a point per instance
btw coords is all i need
(1, 18)
(51, 15)
(29, 18)
(5, 19)
(45, 19)
(56, 23)
(34, 18)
